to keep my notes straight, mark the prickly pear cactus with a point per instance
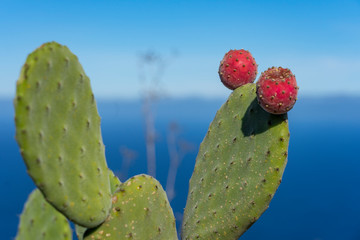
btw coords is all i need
(40, 220)
(58, 131)
(140, 211)
(238, 169)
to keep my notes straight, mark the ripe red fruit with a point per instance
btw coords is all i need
(237, 68)
(277, 90)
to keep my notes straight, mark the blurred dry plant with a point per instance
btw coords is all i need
(177, 151)
(128, 157)
(151, 69)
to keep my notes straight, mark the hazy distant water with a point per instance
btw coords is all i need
(318, 198)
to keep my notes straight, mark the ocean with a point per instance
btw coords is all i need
(318, 198)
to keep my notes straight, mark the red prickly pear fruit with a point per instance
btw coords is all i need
(277, 90)
(237, 68)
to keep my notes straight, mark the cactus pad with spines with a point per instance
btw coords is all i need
(140, 211)
(40, 220)
(58, 131)
(238, 169)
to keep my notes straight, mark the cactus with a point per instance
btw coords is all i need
(140, 211)
(238, 169)
(40, 220)
(58, 131)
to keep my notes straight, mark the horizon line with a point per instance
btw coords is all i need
(200, 97)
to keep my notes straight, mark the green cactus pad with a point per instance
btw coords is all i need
(58, 131)
(114, 185)
(140, 211)
(40, 220)
(114, 182)
(238, 169)
(80, 231)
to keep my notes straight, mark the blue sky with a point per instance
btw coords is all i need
(318, 40)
